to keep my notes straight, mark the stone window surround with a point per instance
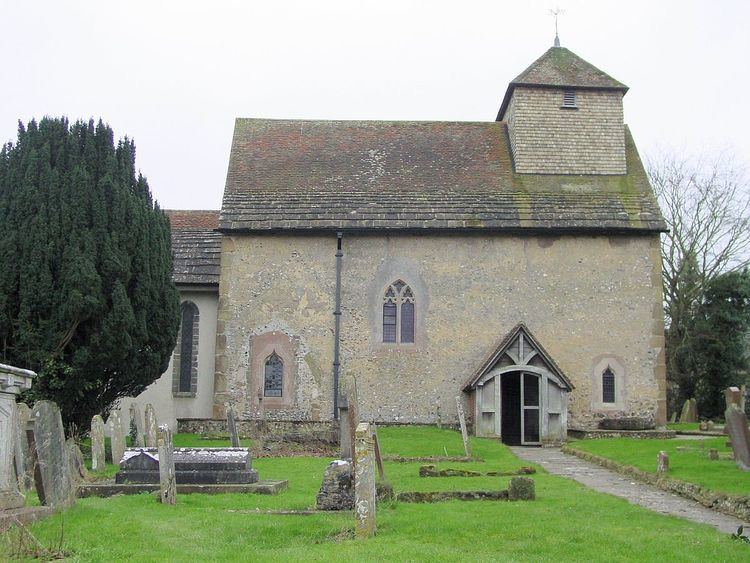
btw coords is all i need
(399, 299)
(177, 359)
(599, 366)
(261, 348)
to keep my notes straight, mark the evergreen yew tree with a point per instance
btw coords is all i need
(86, 297)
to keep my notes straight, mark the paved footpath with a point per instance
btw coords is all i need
(603, 480)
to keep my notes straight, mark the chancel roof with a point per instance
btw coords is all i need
(415, 175)
(196, 246)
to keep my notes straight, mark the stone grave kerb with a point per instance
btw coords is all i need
(13, 380)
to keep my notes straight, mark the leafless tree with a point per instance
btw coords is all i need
(705, 201)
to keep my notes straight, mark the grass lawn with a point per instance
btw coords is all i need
(567, 521)
(684, 426)
(690, 464)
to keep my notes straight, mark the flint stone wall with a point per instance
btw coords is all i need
(584, 297)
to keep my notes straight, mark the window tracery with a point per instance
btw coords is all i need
(398, 313)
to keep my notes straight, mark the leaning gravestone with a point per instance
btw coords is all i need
(662, 462)
(24, 466)
(117, 436)
(97, 443)
(167, 478)
(685, 413)
(232, 427)
(54, 484)
(739, 435)
(151, 426)
(137, 419)
(462, 422)
(75, 462)
(693, 410)
(673, 419)
(364, 482)
(12, 381)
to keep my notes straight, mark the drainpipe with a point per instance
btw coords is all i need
(337, 327)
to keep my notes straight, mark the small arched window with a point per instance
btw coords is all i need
(608, 385)
(398, 313)
(273, 383)
(185, 377)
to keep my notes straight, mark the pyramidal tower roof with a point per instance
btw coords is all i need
(561, 68)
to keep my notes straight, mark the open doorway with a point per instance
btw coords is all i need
(520, 408)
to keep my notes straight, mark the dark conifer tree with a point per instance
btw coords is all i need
(86, 297)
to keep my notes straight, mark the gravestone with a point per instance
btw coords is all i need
(54, 484)
(673, 419)
(713, 454)
(232, 426)
(337, 489)
(521, 488)
(167, 478)
(703, 426)
(693, 411)
(97, 443)
(685, 413)
(12, 381)
(76, 464)
(662, 462)
(137, 420)
(116, 436)
(736, 425)
(462, 422)
(732, 396)
(345, 432)
(364, 482)
(743, 397)
(24, 465)
(151, 426)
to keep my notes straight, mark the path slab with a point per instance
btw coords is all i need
(605, 481)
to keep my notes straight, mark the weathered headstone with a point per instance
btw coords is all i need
(703, 426)
(378, 456)
(75, 461)
(137, 420)
(232, 427)
(151, 426)
(673, 419)
(662, 462)
(462, 422)
(713, 454)
(521, 488)
(97, 443)
(364, 482)
(337, 489)
(685, 413)
(743, 397)
(116, 436)
(693, 411)
(732, 396)
(345, 432)
(167, 479)
(710, 426)
(54, 484)
(12, 381)
(736, 425)
(24, 465)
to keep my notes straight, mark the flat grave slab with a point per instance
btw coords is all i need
(264, 487)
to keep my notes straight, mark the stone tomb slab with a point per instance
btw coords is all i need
(261, 487)
(192, 466)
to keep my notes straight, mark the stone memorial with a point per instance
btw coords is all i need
(137, 421)
(76, 464)
(732, 396)
(337, 490)
(713, 454)
(693, 410)
(97, 443)
(743, 397)
(152, 425)
(234, 437)
(662, 462)
(364, 482)
(521, 488)
(24, 465)
(192, 466)
(13, 380)
(116, 436)
(167, 479)
(462, 422)
(54, 484)
(736, 426)
(345, 431)
(673, 418)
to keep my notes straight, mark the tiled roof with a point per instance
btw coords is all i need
(312, 175)
(196, 247)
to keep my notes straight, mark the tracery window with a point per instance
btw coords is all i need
(273, 384)
(398, 313)
(608, 385)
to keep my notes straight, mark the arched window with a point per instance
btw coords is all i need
(273, 377)
(185, 377)
(608, 386)
(398, 313)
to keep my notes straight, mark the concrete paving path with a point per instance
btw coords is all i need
(603, 480)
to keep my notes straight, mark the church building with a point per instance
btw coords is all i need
(512, 263)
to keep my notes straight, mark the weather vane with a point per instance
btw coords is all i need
(556, 13)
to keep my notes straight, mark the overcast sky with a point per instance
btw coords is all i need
(174, 75)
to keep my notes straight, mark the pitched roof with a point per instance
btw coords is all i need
(196, 246)
(327, 175)
(559, 67)
(504, 345)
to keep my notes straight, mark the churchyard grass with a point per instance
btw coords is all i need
(690, 463)
(567, 521)
(684, 426)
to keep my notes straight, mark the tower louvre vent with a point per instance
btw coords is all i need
(569, 99)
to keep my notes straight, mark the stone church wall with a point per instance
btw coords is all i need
(591, 301)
